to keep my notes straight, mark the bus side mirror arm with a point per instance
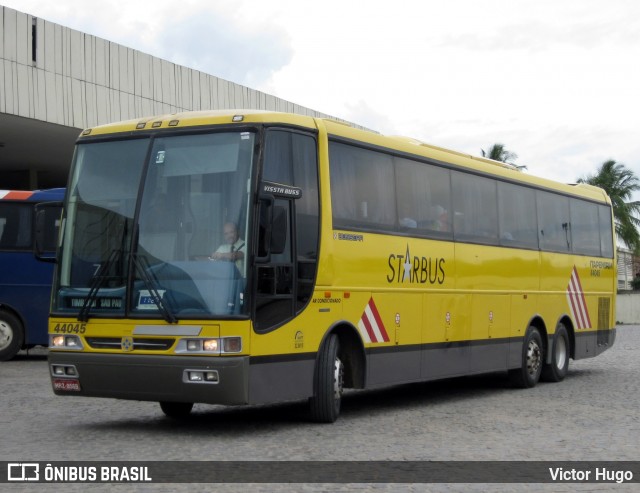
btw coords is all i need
(265, 216)
(272, 229)
(41, 228)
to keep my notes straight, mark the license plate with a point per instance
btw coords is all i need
(66, 384)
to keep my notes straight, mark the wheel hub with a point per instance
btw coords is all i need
(6, 335)
(561, 352)
(338, 377)
(534, 357)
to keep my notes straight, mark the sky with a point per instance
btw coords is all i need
(556, 81)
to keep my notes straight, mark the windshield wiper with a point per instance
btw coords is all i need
(96, 283)
(151, 283)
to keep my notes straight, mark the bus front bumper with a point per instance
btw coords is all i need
(212, 380)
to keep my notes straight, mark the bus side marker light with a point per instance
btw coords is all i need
(232, 344)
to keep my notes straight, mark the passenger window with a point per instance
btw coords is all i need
(476, 209)
(606, 235)
(553, 221)
(16, 226)
(424, 198)
(517, 213)
(585, 229)
(362, 192)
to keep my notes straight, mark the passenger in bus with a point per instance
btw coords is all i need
(233, 249)
(439, 219)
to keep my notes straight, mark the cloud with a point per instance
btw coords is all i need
(368, 117)
(223, 39)
(556, 82)
(216, 43)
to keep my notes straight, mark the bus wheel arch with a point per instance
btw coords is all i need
(12, 334)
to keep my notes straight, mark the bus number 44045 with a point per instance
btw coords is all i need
(70, 328)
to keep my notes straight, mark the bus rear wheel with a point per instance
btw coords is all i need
(559, 366)
(328, 383)
(176, 410)
(11, 336)
(532, 360)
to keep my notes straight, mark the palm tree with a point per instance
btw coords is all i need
(498, 152)
(620, 183)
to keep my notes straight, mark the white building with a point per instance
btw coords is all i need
(626, 272)
(55, 81)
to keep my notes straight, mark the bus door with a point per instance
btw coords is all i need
(275, 269)
(287, 228)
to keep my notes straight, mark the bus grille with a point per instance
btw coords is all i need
(604, 312)
(139, 343)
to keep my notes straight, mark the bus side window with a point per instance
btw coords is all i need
(16, 222)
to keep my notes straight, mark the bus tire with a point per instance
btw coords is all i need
(176, 410)
(327, 383)
(11, 335)
(559, 366)
(528, 374)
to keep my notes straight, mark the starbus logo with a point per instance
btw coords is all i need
(413, 269)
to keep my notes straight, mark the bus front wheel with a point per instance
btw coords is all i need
(532, 359)
(327, 383)
(559, 366)
(176, 410)
(11, 336)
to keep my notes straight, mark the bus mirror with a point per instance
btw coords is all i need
(278, 230)
(272, 229)
(46, 231)
(265, 214)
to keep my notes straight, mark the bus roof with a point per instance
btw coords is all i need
(343, 129)
(199, 118)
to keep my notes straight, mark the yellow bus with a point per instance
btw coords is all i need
(247, 257)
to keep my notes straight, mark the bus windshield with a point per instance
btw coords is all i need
(156, 227)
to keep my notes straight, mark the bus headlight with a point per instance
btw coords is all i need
(210, 345)
(222, 345)
(194, 345)
(65, 342)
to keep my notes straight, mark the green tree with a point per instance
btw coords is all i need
(498, 152)
(620, 183)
